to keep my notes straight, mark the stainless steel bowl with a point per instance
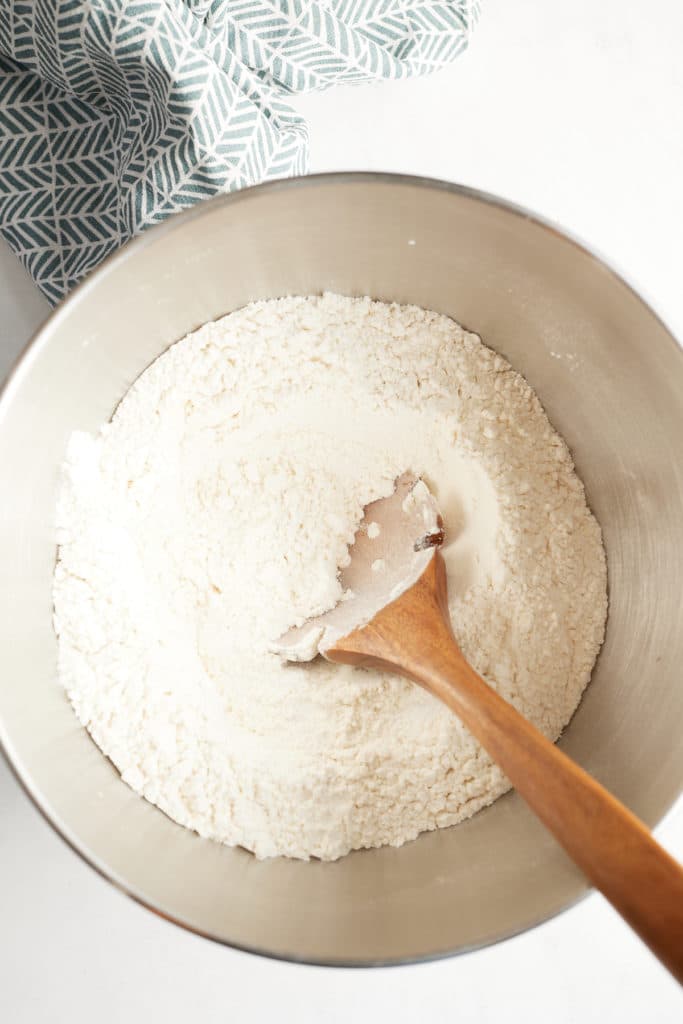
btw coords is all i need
(611, 378)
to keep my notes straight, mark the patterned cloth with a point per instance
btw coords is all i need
(116, 113)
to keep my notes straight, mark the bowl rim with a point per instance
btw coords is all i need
(22, 366)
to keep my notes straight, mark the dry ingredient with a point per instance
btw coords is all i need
(212, 514)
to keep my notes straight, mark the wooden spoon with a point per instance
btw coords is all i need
(394, 616)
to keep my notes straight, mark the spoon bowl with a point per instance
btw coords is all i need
(610, 376)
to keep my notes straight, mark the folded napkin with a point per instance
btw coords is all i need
(116, 113)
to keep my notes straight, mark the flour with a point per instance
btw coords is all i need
(213, 513)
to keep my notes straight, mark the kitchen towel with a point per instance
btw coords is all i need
(116, 113)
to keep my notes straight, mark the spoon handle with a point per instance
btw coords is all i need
(612, 847)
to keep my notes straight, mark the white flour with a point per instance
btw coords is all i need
(212, 514)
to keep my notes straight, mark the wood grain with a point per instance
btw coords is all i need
(413, 637)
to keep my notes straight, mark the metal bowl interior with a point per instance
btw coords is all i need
(611, 378)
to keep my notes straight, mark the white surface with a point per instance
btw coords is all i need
(573, 109)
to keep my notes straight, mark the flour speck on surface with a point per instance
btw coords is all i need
(214, 512)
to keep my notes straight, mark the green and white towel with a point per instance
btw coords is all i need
(116, 113)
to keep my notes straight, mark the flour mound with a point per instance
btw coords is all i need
(212, 514)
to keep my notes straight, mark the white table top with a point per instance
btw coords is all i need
(574, 110)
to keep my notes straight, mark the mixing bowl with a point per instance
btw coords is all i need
(611, 378)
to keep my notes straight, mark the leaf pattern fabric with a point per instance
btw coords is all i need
(115, 114)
